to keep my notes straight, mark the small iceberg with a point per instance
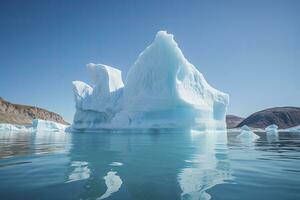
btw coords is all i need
(44, 125)
(113, 183)
(247, 134)
(272, 129)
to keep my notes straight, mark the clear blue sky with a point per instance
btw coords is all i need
(249, 49)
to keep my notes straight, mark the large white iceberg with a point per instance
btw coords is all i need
(162, 90)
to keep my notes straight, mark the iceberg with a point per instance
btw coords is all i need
(44, 125)
(14, 128)
(37, 125)
(162, 90)
(272, 129)
(292, 129)
(247, 134)
(96, 105)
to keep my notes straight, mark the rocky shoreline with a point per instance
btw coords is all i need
(23, 115)
(283, 117)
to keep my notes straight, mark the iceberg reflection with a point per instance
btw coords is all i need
(116, 164)
(51, 142)
(208, 167)
(113, 183)
(81, 171)
(15, 144)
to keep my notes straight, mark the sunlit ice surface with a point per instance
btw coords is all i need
(148, 164)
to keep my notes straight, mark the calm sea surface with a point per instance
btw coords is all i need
(148, 165)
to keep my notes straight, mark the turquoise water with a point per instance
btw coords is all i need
(149, 165)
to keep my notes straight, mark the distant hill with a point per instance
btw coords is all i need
(22, 114)
(232, 121)
(283, 117)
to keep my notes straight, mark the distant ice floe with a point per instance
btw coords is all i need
(247, 134)
(81, 171)
(292, 129)
(37, 125)
(15, 128)
(113, 183)
(239, 129)
(271, 129)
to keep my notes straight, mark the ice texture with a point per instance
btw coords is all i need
(162, 90)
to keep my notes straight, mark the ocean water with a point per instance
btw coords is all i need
(148, 165)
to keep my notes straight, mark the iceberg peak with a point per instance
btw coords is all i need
(164, 37)
(105, 78)
(162, 89)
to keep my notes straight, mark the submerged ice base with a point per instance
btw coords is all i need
(162, 90)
